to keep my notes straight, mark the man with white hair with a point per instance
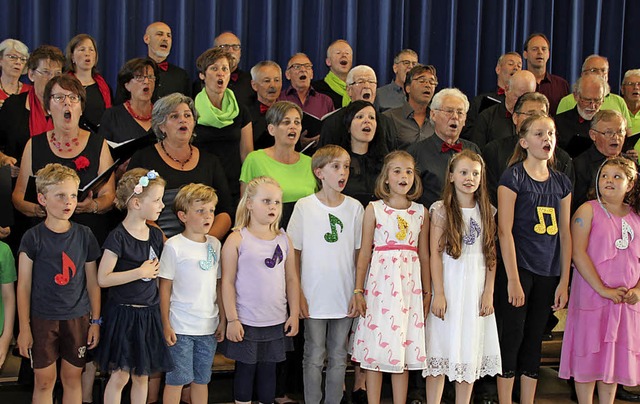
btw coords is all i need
(630, 90)
(266, 81)
(448, 113)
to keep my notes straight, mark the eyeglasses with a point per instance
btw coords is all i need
(48, 73)
(596, 70)
(632, 84)
(450, 112)
(362, 82)
(590, 101)
(610, 133)
(140, 77)
(227, 46)
(407, 63)
(424, 80)
(298, 66)
(15, 58)
(59, 98)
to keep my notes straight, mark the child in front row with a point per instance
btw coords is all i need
(259, 278)
(7, 298)
(133, 344)
(58, 292)
(190, 299)
(326, 229)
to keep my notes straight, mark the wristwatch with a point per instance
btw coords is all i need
(96, 321)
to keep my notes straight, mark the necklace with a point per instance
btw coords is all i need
(69, 145)
(182, 163)
(8, 93)
(127, 105)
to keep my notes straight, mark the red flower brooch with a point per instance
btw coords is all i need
(81, 163)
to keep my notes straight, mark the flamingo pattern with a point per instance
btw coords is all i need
(393, 327)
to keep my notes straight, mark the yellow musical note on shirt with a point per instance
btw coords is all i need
(542, 228)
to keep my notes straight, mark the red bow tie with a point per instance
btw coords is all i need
(580, 119)
(164, 66)
(500, 91)
(234, 77)
(263, 109)
(507, 114)
(457, 147)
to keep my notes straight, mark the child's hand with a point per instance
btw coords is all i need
(516, 294)
(170, 336)
(94, 336)
(220, 331)
(4, 232)
(235, 331)
(615, 295)
(632, 296)
(304, 306)
(25, 342)
(426, 305)
(149, 269)
(486, 304)
(561, 297)
(439, 305)
(291, 327)
(361, 305)
(353, 307)
(5, 341)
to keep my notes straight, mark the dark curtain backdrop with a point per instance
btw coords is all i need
(462, 38)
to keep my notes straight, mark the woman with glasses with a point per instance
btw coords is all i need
(82, 58)
(132, 119)
(14, 56)
(66, 143)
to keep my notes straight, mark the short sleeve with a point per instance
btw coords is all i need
(7, 265)
(29, 244)
(245, 115)
(510, 179)
(156, 240)
(566, 184)
(93, 247)
(294, 228)
(217, 246)
(113, 242)
(358, 223)
(168, 261)
(438, 214)
(248, 167)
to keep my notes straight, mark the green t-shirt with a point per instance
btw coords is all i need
(296, 180)
(7, 275)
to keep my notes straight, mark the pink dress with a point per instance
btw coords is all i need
(602, 339)
(391, 336)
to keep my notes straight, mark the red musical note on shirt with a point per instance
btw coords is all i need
(68, 271)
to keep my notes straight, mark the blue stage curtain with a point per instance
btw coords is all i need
(462, 38)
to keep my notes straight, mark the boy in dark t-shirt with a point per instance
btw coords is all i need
(58, 288)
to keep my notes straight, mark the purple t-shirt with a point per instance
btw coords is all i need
(535, 218)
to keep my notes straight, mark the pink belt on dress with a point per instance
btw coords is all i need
(393, 247)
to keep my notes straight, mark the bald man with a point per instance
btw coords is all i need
(339, 61)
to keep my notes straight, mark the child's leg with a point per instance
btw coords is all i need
(315, 350)
(584, 391)
(435, 386)
(204, 349)
(88, 378)
(243, 378)
(374, 385)
(44, 381)
(527, 389)
(463, 392)
(505, 389)
(153, 393)
(113, 391)
(266, 381)
(606, 392)
(139, 389)
(172, 394)
(337, 335)
(199, 393)
(399, 385)
(71, 378)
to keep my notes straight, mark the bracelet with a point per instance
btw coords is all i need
(95, 206)
(358, 291)
(233, 321)
(97, 321)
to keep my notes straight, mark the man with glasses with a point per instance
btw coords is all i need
(630, 90)
(495, 122)
(573, 126)
(599, 66)
(339, 61)
(171, 78)
(412, 119)
(393, 95)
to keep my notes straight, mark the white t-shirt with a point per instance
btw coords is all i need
(327, 237)
(194, 269)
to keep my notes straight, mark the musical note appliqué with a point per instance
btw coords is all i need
(403, 225)
(207, 264)
(332, 236)
(152, 256)
(474, 233)
(68, 271)
(623, 242)
(541, 227)
(276, 259)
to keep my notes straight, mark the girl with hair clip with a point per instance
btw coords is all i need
(462, 338)
(600, 345)
(259, 278)
(534, 204)
(394, 261)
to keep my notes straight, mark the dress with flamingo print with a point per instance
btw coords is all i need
(390, 338)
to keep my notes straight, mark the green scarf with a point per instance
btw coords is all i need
(209, 115)
(338, 86)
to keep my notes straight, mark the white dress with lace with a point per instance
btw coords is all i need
(464, 346)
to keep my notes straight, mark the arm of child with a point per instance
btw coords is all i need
(165, 303)
(506, 207)
(436, 244)
(93, 289)
(9, 306)
(486, 303)
(304, 305)
(564, 223)
(107, 277)
(293, 293)
(26, 208)
(580, 231)
(229, 261)
(222, 325)
(364, 257)
(25, 339)
(424, 255)
(353, 308)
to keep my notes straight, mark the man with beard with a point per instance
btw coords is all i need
(392, 95)
(412, 119)
(339, 61)
(266, 81)
(171, 78)
(573, 126)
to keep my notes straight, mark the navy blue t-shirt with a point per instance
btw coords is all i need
(131, 254)
(58, 285)
(535, 219)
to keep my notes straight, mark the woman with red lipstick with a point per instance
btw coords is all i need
(14, 56)
(82, 58)
(87, 153)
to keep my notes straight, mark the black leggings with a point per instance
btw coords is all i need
(262, 375)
